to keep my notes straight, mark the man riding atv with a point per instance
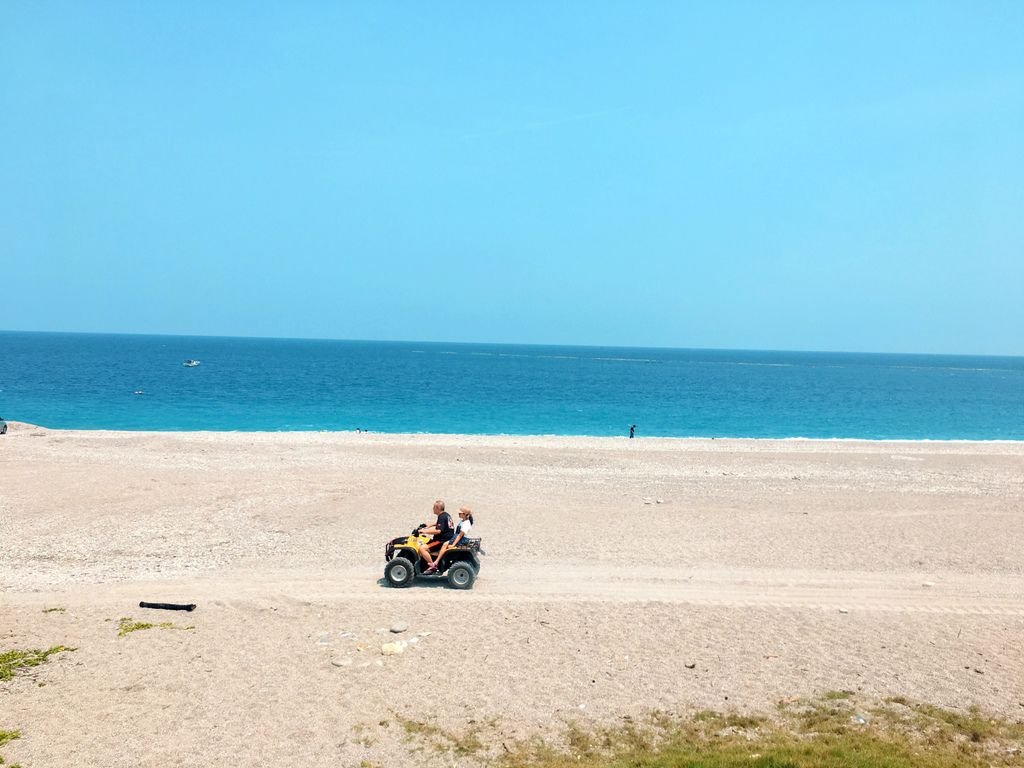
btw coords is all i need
(440, 532)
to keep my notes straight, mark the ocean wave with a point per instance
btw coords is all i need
(627, 359)
(744, 363)
(951, 368)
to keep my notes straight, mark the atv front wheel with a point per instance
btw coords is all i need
(399, 572)
(461, 576)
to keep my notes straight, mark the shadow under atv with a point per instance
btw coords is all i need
(421, 582)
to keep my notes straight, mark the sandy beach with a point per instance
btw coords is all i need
(620, 577)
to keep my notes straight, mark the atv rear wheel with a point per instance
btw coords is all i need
(399, 572)
(461, 576)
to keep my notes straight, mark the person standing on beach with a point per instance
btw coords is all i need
(632, 430)
(441, 531)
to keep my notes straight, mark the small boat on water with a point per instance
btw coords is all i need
(191, 363)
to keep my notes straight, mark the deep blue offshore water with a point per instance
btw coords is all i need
(85, 381)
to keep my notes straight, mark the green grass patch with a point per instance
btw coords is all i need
(973, 726)
(5, 737)
(12, 661)
(440, 740)
(837, 695)
(127, 625)
(419, 729)
(834, 731)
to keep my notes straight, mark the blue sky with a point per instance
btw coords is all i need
(822, 176)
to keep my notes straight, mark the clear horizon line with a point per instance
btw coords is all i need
(508, 343)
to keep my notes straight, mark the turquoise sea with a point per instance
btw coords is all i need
(85, 381)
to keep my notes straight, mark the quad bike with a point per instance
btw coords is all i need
(459, 566)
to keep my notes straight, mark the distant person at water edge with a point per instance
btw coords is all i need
(632, 430)
(441, 532)
(459, 539)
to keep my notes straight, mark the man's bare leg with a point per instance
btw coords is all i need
(424, 551)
